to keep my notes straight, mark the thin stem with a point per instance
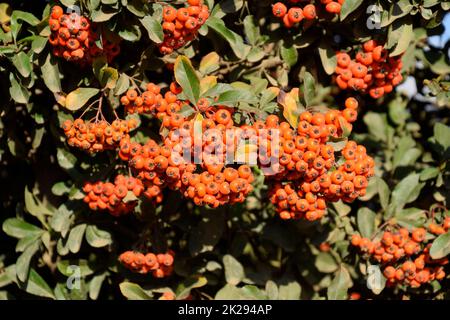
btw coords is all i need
(89, 107)
(134, 84)
(99, 110)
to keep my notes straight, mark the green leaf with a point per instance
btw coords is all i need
(400, 36)
(23, 262)
(16, 18)
(348, 7)
(289, 54)
(66, 160)
(411, 217)
(187, 78)
(251, 30)
(60, 188)
(76, 238)
(339, 286)
(27, 241)
(234, 271)
(236, 42)
(133, 291)
(37, 286)
(366, 222)
(429, 173)
(255, 54)
(62, 220)
(79, 97)
(375, 279)
(233, 97)
(225, 6)
(290, 291)
(383, 192)
(309, 88)
(154, 28)
(51, 74)
(19, 229)
(328, 57)
(325, 263)
(97, 238)
(399, 9)
(377, 125)
(19, 93)
(253, 292)
(229, 292)
(271, 290)
(23, 64)
(95, 285)
(39, 44)
(184, 289)
(122, 84)
(84, 267)
(108, 77)
(7, 276)
(103, 14)
(34, 206)
(441, 246)
(442, 134)
(406, 191)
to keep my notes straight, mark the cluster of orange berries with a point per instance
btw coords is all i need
(294, 15)
(372, 70)
(74, 38)
(404, 255)
(308, 176)
(439, 229)
(181, 25)
(160, 265)
(110, 196)
(152, 101)
(172, 163)
(154, 166)
(97, 136)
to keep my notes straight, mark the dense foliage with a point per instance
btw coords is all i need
(98, 94)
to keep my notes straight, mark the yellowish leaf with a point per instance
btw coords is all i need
(60, 98)
(5, 13)
(207, 83)
(209, 63)
(291, 108)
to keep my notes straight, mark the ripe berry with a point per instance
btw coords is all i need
(279, 10)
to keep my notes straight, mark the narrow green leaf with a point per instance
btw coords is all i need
(366, 222)
(309, 88)
(328, 57)
(50, 74)
(187, 78)
(36, 285)
(76, 238)
(23, 262)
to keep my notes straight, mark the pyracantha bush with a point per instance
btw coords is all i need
(224, 149)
